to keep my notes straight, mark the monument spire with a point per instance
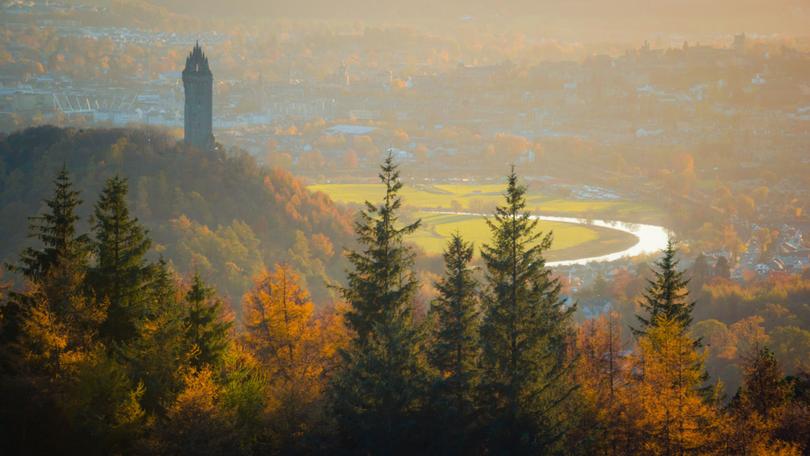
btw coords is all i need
(198, 88)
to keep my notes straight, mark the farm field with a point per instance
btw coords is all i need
(483, 198)
(571, 240)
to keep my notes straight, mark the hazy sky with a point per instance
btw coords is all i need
(612, 17)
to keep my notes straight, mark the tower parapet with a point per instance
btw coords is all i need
(198, 84)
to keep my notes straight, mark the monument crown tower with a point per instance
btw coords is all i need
(198, 113)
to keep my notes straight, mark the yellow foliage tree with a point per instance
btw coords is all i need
(602, 373)
(197, 422)
(295, 348)
(674, 417)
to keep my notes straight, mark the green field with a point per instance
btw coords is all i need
(483, 197)
(570, 240)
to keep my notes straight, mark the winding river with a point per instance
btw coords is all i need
(651, 238)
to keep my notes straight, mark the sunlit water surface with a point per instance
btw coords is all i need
(651, 238)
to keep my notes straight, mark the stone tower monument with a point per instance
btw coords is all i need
(197, 85)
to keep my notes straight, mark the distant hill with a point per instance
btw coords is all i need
(218, 213)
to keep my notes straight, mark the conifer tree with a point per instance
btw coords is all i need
(764, 386)
(381, 279)
(56, 267)
(292, 347)
(55, 230)
(666, 296)
(602, 374)
(121, 274)
(760, 406)
(454, 351)
(722, 268)
(675, 418)
(55, 270)
(158, 353)
(206, 331)
(523, 334)
(378, 390)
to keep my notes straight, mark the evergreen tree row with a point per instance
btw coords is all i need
(107, 352)
(97, 343)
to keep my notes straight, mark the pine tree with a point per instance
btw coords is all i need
(158, 354)
(55, 230)
(53, 318)
(56, 267)
(666, 296)
(206, 331)
(121, 274)
(381, 280)
(455, 351)
(378, 390)
(524, 334)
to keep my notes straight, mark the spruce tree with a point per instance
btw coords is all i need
(454, 351)
(55, 230)
(667, 295)
(157, 354)
(121, 275)
(56, 269)
(378, 390)
(206, 331)
(524, 333)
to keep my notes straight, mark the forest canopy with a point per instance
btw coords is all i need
(218, 213)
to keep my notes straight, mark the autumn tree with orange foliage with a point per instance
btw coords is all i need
(295, 349)
(759, 407)
(674, 417)
(197, 423)
(602, 373)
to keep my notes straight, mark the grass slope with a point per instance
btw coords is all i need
(570, 240)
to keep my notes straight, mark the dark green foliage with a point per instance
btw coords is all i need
(524, 370)
(380, 280)
(56, 264)
(701, 273)
(218, 213)
(667, 295)
(379, 390)
(159, 352)
(765, 388)
(161, 374)
(103, 404)
(722, 268)
(454, 350)
(55, 231)
(121, 274)
(206, 332)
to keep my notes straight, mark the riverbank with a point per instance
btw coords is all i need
(617, 239)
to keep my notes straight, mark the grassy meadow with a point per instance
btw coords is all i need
(570, 240)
